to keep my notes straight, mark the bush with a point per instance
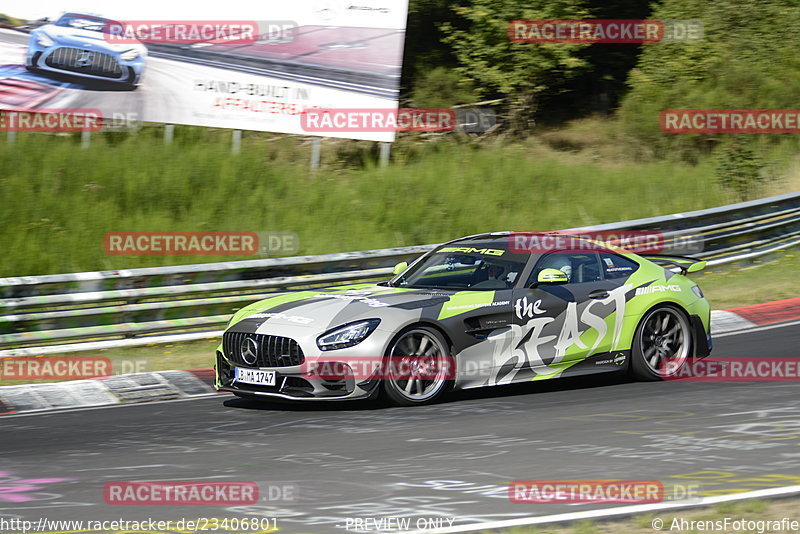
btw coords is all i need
(739, 168)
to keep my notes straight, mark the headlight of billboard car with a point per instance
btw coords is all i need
(130, 55)
(347, 335)
(44, 40)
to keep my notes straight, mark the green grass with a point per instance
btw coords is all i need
(726, 288)
(60, 201)
(190, 355)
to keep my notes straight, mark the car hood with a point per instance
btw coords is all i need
(85, 39)
(322, 309)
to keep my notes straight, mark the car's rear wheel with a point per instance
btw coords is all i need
(418, 367)
(662, 344)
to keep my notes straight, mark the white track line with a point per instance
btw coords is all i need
(615, 512)
(756, 329)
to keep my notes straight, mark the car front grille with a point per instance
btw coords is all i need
(84, 62)
(271, 351)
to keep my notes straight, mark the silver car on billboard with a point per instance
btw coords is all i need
(77, 45)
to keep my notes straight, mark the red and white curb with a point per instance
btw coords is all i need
(747, 317)
(174, 385)
(728, 321)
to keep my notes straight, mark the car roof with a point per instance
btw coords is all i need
(500, 239)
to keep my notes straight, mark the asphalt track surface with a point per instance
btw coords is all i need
(451, 461)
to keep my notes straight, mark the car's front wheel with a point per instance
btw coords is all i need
(418, 367)
(662, 344)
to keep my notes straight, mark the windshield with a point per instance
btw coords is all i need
(465, 268)
(83, 22)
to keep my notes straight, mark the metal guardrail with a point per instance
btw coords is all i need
(140, 306)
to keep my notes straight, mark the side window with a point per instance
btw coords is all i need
(579, 268)
(615, 266)
(585, 267)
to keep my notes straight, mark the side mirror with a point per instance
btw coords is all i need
(552, 276)
(400, 267)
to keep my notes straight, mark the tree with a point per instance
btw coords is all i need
(746, 60)
(519, 72)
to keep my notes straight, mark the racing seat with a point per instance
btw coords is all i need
(484, 282)
(587, 270)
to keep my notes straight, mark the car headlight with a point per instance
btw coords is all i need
(697, 291)
(347, 335)
(129, 55)
(44, 40)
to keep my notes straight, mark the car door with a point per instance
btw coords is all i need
(561, 324)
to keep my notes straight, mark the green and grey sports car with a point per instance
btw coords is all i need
(478, 311)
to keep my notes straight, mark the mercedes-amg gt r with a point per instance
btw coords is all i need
(477, 311)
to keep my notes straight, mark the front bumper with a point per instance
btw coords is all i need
(293, 383)
(130, 72)
(303, 372)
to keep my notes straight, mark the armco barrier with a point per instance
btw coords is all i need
(138, 306)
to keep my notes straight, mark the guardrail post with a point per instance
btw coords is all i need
(169, 132)
(86, 139)
(236, 142)
(316, 152)
(386, 150)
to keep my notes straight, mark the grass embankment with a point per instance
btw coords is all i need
(769, 513)
(727, 288)
(59, 201)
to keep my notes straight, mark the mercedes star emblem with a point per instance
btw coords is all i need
(249, 349)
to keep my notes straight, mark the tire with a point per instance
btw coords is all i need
(421, 349)
(662, 344)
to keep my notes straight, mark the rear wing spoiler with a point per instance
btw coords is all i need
(684, 263)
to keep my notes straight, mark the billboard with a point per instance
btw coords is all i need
(237, 64)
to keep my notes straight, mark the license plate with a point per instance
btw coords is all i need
(255, 376)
